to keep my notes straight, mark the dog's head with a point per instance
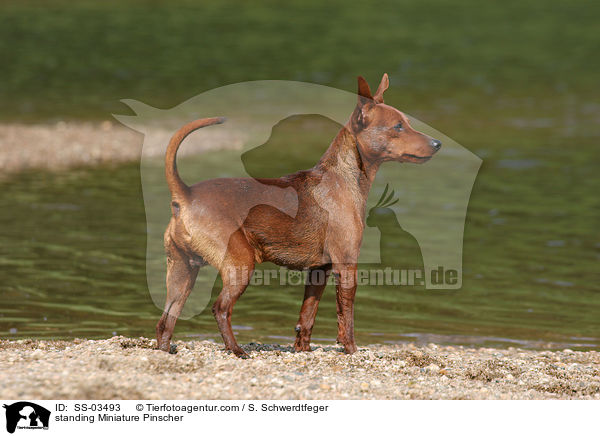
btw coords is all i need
(384, 133)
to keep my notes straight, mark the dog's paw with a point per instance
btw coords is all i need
(350, 348)
(239, 352)
(300, 347)
(173, 349)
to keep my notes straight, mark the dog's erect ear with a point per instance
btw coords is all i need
(360, 117)
(363, 89)
(385, 83)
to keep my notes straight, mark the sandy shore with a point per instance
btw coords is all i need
(64, 145)
(124, 368)
(131, 369)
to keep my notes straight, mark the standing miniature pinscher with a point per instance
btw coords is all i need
(312, 219)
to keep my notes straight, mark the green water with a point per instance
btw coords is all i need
(73, 259)
(515, 82)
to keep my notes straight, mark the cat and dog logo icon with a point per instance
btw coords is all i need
(26, 415)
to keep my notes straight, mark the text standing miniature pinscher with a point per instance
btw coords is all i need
(226, 222)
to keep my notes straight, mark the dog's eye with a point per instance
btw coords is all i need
(398, 127)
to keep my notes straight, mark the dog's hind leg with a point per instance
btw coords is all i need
(317, 281)
(236, 270)
(181, 276)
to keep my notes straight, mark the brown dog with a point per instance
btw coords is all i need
(312, 219)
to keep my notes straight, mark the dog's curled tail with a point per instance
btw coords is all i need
(179, 189)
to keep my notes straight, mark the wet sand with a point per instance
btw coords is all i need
(64, 145)
(131, 369)
(126, 368)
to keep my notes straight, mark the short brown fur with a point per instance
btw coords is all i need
(312, 219)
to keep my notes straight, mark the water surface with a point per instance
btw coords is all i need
(72, 261)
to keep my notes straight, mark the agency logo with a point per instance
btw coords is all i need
(415, 214)
(26, 415)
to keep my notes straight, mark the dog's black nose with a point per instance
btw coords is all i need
(436, 144)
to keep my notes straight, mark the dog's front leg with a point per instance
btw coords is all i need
(317, 280)
(345, 278)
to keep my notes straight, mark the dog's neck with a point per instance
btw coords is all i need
(343, 158)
